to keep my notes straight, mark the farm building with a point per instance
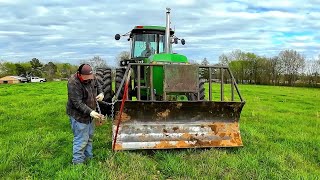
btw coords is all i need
(9, 80)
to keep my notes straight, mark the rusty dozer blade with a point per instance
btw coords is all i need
(167, 124)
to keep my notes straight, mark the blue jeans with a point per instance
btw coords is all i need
(82, 140)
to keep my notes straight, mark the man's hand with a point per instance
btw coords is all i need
(100, 97)
(96, 115)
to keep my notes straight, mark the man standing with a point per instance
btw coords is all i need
(82, 97)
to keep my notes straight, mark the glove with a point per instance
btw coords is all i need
(96, 115)
(100, 97)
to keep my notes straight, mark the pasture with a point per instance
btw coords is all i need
(280, 128)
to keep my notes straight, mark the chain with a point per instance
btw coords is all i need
(112, 108)
(112, 111)
(98, 107)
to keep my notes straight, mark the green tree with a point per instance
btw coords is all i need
(36, 67)
(20, 69)
(8, 68)
(64, 70)
(50, 70)
(27, 67)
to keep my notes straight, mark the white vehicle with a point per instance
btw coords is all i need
(37, 79)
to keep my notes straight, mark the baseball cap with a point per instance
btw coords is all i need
(86, 72)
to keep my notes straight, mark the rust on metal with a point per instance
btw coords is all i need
(164, 125)
(164, 114)
(182, 144)
(118, 147)
(164, 145)
(181, 78)
(124, 117)
(187, 135)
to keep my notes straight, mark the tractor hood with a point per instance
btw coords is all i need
(163, 57)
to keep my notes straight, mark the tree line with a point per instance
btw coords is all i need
(35, 67)
(50, 70)
(289, 68)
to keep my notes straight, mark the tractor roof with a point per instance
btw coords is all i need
(159, 28)
(150, 29)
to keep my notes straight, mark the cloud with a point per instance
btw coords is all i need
(70, 31)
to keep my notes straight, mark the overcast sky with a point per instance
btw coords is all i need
(72, 30)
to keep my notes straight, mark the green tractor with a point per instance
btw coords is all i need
(160, 100)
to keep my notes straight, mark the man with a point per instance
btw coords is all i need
(82, 97)
(148, 51)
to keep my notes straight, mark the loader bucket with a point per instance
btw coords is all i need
(175, 124)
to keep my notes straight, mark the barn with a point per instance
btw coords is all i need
(9, 80)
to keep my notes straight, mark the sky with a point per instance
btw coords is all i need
(70, 31)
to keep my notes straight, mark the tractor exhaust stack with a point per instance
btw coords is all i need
(168, 42)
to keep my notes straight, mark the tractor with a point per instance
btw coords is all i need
(160, 99)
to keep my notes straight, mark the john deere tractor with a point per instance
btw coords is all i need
(160, 100)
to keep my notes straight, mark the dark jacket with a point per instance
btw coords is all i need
(82, 99)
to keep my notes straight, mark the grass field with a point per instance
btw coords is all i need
(280, 128)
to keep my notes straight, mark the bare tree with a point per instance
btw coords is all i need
(192, 61)
(293, 63)
(235, 55)
(224, 60)
(96, 62)
(2, 68)
(276, 69)
(312, 70)
(318, 63)
(123, 55)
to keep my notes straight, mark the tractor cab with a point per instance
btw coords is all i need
(147, 41)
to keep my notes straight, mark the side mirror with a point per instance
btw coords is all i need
(183, 42)
(117, 37)
(175, 40)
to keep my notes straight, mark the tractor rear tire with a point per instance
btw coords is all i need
(104, 79)
(194, 96)
(119, 77)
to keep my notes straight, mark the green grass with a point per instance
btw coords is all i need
(279, 127)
